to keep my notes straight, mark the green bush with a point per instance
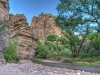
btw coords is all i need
(65, 52)
(96, 41)
(42, 51)
(10, 53)
(63, 40)
(90, 54)
(51, 45)
(51, 37)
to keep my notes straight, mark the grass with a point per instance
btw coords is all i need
(84, 62)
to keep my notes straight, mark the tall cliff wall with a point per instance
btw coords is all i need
(4, 9)
(27, 36)
(19, 29)
(4, 36)
(44, 25)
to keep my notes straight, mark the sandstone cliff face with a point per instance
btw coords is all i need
(44, 25)
(19, 28)
(4, 36)
(27, 37)
(4, 9)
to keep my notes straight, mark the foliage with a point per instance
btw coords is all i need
(78, 10)
(53, 50)
(65, 52)
(90, 54)
(96, 41)
(84, 62)
(41, 51)
(75, 18)
(10, 53)
(52, 46)
(51, 37)
(62, 40)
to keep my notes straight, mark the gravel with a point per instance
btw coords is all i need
(38, 69)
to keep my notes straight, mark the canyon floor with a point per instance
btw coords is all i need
(29, 68)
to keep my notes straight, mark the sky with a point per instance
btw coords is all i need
(32, 8)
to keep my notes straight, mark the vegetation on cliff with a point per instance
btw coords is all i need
(10, 51)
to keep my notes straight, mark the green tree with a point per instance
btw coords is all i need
(75, 18)
(87, 9)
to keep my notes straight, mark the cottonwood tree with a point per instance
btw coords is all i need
(77, 16)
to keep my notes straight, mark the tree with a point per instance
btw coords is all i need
(75, 18)
(96, 41)
(86, 10)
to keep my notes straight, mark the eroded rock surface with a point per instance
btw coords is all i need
(19, 28)
(44, 25)
(4, 9)
(4, 36)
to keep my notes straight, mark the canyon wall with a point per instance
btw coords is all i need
(4, 35)
(4, 9)
(44, 25)
(19, 29)
(26, 36)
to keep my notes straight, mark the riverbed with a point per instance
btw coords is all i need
(30, 68)
(67, 66)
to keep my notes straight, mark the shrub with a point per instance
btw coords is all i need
(51, 45)
(51, 37)
(65, 52)
(42, 51)
(96, 41)
(90, 54)
(63, 40)
(10, 53)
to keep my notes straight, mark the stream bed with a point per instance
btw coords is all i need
(68, 66)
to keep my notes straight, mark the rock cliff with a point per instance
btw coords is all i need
(4, 36)
(26, 43)
(25, 35)
(44, 25)
(4, 9)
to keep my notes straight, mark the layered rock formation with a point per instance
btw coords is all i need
(4, 9)
(44, 25)
(19, 28)
(4, 36)
(26, 36)
(40, 28)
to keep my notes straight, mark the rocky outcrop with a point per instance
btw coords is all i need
(4, 9)
(4, 36)
(44, 25)
(26, 36)
(19, 28)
